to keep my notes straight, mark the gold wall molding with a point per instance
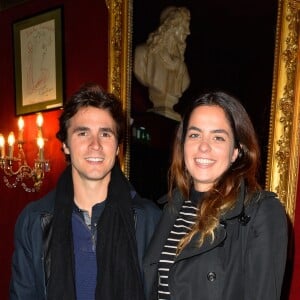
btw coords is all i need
(119, 63)
(283, 155)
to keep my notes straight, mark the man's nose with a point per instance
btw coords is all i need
(95, 143)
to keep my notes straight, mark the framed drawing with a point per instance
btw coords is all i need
(38, 62)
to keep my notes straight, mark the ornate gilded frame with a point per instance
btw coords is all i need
(119, 63)
(283, 156)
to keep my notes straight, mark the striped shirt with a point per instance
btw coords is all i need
(182, 225)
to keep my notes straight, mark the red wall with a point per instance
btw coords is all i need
(295, 284)
(85, 60)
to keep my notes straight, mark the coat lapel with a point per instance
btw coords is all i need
(169, 216)
(193, 249)
(164, 227)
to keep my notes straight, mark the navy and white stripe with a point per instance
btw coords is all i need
(182, 225)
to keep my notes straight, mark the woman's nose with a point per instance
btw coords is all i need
(204, 146)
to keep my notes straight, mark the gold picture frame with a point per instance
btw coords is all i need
(283, 154)
(283, 151)
(119, 63)
(38, 62)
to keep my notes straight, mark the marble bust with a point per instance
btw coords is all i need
(159, 63)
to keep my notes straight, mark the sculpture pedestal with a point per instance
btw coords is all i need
(163, 104)
(166, 112)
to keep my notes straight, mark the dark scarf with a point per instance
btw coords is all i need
(118, 269)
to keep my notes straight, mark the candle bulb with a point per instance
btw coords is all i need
(11, 142)
(21, 130)
(39, 120)
(2, 146)
(39, 123)
(40, 143)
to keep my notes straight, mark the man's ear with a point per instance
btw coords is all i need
(66, 149)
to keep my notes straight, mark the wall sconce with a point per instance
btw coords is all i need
(16, 166)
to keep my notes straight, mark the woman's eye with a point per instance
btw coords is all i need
(219, 138)
(194, 135)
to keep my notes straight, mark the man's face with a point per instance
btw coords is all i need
(92, 145)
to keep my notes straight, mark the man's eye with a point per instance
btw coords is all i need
(105, 134)
(82, 133)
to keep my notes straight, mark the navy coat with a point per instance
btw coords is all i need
(29, 269)
(246, 261)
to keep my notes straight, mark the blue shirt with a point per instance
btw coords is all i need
(84, 230)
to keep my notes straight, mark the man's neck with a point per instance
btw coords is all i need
(85, 197)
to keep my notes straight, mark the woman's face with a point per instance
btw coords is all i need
(209, 146)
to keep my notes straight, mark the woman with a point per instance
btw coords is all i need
(220, 236)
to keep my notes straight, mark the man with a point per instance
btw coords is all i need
(85, 240)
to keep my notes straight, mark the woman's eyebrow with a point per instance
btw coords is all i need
(220, 131)
(194, 128)
(212, 131)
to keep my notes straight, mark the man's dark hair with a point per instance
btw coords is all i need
(92, 95)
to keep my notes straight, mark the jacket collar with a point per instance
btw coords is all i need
(237, 212)
(169, 216)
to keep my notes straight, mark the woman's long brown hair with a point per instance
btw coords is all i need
(223, 195)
